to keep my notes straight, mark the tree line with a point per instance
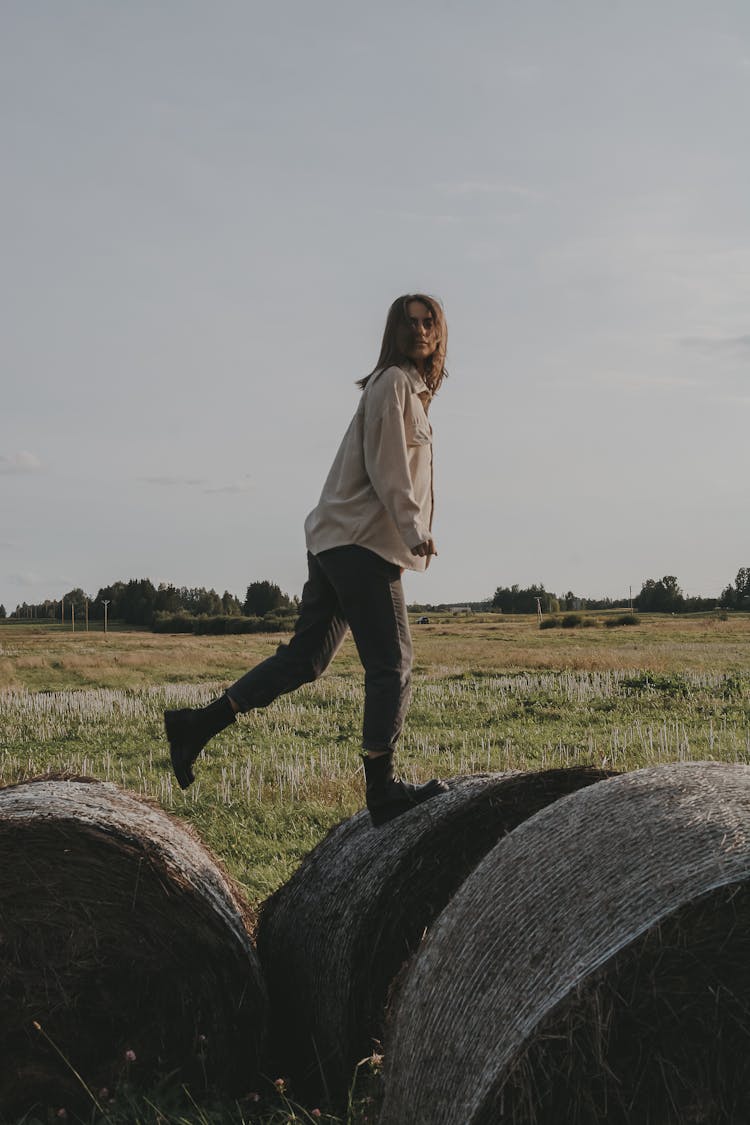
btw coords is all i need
(169, 608)
(657, 595)
(140, 602)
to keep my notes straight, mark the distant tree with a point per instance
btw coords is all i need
(77, 600)
(518, 600)
(138, 601)
(3, 614)
(24, 611)
(699, 605)
(136, 606)
(209, 602)
(198, 600)
(742, 583)
(167, 599)
(112, 594)
(133, 602)
(660, 596)
(737, 596)
(605, 603)
(230, 605)
(190, 597)
(263, 597)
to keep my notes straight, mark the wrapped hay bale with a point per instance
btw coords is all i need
(122, 938)
(332, 940)
(594, 967)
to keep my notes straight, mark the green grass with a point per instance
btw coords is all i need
(490, 693)
(274, 784)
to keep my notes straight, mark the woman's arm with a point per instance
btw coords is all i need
(387, 460)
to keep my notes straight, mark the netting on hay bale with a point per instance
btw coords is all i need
(595, 966)
(332, 940)
(119, 932)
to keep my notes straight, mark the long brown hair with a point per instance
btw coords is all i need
(399, 334)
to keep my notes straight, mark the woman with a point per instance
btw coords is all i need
(373, 519)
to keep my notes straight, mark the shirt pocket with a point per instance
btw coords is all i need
(418, 429)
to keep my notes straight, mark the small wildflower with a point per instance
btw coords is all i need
(62, 1113)
(130, 1055)
(253, 1097)
(104, 1094)
(202, 1039)
(315, 1113)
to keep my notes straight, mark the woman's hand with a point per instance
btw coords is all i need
(425, 549)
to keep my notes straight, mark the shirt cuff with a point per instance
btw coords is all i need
(415, 535)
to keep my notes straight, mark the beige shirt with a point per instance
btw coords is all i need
(378, 493)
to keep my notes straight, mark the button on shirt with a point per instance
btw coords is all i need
(378, 493)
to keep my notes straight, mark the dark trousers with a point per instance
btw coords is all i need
(355, 588)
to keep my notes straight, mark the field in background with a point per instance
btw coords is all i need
(48, 658)
(490, 693)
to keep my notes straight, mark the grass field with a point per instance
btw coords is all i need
(490, 693)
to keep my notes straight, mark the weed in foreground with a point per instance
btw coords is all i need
(166, 1104)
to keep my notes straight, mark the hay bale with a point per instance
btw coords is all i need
(595, 966)
(119, 932)
(333, 939)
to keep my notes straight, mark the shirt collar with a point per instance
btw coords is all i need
(418, 384)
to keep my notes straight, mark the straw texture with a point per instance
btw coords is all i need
(593, 967)
(333, 939)
(119, 932)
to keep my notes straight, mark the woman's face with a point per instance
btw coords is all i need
(423, 337)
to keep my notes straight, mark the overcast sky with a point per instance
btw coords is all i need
(208, 207)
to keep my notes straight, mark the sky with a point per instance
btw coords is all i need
(207, 208)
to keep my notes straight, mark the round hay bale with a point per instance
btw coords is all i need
(595, 966)
(123, 939)
(334, 938)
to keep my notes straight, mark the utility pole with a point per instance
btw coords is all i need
(630, 597)
(73, 616)
(538, 610)
(106, 603)
(87, 615)
(62, 611)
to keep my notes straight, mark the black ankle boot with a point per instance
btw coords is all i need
(188, 731)
(387, 796)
